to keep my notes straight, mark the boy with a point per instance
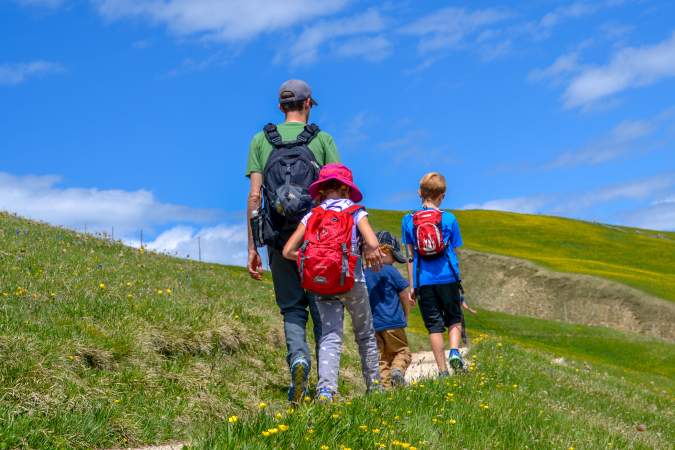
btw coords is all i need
(389, 301)
(431, 236)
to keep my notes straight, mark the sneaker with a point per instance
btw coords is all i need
(455, 360)
(299, 380)
(325, 396)
(397, 378)
(443, 374)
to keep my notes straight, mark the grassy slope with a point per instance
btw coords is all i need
(639, 258)
(85, 365)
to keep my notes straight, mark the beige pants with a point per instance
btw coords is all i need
(394, 353)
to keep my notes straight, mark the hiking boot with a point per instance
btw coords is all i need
(397, 378)
(299, 381)
(455, 360)
(325, 396)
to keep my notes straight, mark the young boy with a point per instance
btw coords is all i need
(390, 302)
(433, 270)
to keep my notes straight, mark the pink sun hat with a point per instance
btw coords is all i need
(341, 173)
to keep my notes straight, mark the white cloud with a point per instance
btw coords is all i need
(449, 28)
(224, 243)
(228, 21)
(374, 48)
(543, 28)
(629, 136)
(633, 190)
(561, 67)
(629, 67)
(13, 74)
(306, 47)
(40, 197)
(660, 215)
(526, 205)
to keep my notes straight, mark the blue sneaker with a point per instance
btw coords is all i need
(455, 360)
(325, 395)
(299, 380)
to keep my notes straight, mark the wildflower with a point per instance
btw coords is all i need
(335, 416)
(363, 427)
(128, 283)
(130, 296)
(311, 431)
(324, 447)
(160, 292)
(484, 406)
(267, 433)
(434, 420)
(375, 430)
(515, 386)
(232, 419)
(307, 399)
(397, 417)
(116, 401)
(283, 427)
(168, 291)
(499, 344)
(452, 421)
(262, 405)
(273, 430)
(279, 415)
(101, 285)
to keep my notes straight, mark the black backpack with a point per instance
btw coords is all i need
(290, 170)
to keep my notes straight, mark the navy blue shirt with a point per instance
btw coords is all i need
(436, 271)
(384, 288)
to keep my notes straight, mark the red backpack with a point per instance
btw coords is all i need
(428, 233)
(325, 260)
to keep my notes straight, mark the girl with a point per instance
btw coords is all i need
(335, 190)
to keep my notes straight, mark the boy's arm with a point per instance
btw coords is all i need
(409, 265)
(372, 254)
(404, 297)
(294, 243)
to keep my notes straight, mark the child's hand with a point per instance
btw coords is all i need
(373, 258)
(467, 307)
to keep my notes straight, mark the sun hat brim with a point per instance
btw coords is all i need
(355, 194)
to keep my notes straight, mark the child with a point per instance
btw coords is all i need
(432, 235)
(390, 302)
(336, 191)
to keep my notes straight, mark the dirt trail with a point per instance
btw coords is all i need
(423, 365)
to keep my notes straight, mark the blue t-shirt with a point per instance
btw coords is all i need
(383, 290)
(437, 270)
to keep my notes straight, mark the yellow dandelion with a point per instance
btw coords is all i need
(363, 427)
(128, 283)
(130, 296)
(515, 386)
(168, 291)
(335, 416)
(311, 431)
(452, 421)
(101, 285)
(273, 430)
(262, 405)
(375, 430)
(324, 447)
(265, 433)
(160, 292)
(233, 419)
(283, 427)
(279, 415)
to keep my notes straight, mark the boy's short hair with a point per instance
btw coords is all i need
(432, 185)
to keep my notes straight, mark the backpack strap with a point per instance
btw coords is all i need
(309, 133)
(354, 209)
(272, 135)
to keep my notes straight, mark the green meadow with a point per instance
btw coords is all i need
(639, 258)
(107, 346)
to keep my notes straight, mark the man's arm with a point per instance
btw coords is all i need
(254, 201)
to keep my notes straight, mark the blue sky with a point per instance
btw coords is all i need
(138, 114)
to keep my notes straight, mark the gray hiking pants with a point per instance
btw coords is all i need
(294, 304)
(331, 310)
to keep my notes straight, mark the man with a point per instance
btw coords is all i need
(295, 102)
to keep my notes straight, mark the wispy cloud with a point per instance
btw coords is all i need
(659, 215)
(43, 3)
(227, 21)
(13, 74)
(543, 28)
(526, 205)
(453, 28)
(418, 146)
(305, 49)
(628, 137)
(629, 67)
(41, 198)
(374, 48)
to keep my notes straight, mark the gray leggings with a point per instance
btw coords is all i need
(331, 311)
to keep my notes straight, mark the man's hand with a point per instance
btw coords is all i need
(468, 308)
(373, 258)
(255, 269)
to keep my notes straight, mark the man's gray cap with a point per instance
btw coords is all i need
(295, 91)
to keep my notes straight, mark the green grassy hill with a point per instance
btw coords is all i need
(106, 346)
(642, 259)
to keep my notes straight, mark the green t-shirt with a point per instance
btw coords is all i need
(260, 149)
